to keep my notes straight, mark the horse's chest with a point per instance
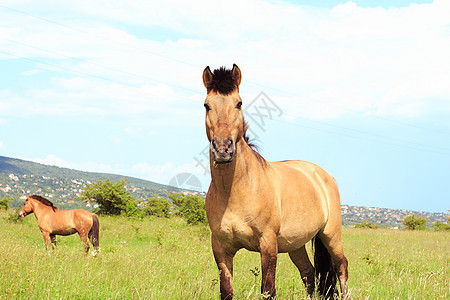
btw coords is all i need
(236, 233)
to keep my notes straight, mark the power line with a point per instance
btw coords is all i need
(295, 124)
(192, 65)
(364, 138)
(192, 90)
(438, 148)
(101, 66)
(353, 110)
(17, 11)
(82, 73)
(181, 87)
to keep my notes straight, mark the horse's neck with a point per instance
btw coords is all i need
(225, 176)
(40, 209)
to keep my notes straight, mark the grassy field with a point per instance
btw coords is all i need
(167, 259)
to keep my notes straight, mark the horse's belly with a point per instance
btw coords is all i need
(288, 243)
(64, 231)
(297, 231)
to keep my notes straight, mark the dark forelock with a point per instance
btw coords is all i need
(222, 81)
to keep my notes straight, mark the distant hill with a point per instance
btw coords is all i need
(62, 185)
(385, 217)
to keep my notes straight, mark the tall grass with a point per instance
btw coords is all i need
(167, 259)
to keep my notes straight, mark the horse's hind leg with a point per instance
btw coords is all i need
(334, 246)
(84, 240)
(300, 258)
(53, 239)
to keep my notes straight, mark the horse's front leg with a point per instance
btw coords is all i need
(269, 252)
(46, 236)
(224, 261)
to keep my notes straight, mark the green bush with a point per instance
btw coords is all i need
(158, 207)
(191, 208)
(412, 222)
(439, 226)
(13, 216)
(367, 224)
(112, 198)
(4, 203)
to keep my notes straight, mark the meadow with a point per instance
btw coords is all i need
(159, 258)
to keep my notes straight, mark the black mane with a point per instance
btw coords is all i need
(223, 82)
(44, 201)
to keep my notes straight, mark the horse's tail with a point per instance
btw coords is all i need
(94, 232)
(324, 270)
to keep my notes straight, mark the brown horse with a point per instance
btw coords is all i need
(268, 207)
(53, 221)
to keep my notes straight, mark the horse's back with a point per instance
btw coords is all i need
(307, 194)
(67, 222)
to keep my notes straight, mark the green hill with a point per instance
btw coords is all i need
(62, 185)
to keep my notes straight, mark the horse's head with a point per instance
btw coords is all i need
(27, 208)
(224, 118)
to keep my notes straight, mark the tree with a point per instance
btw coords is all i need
(112, 198)
(191, 208)
(367, 224)
(177, 199)
(439, 226)
(414, 223)
(5, 202)
(159, 207)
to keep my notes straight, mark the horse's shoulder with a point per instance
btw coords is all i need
(300, 165)
(307, 168)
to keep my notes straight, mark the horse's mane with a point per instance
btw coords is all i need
(44, 201)
(253, 146)
(223, 82)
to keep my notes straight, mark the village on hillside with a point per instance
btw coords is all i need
(65, 193)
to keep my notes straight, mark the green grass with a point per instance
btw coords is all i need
(167, 259)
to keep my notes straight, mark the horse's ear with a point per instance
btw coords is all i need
(207, 76)
(236, 73)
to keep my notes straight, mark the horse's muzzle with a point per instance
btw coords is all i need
(222, 149)
(21, 214)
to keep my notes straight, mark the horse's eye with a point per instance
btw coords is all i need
(207, 107)
(239, 105)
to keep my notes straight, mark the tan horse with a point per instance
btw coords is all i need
(53, 221)
(268, 207)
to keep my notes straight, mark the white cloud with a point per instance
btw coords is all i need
(370, 60)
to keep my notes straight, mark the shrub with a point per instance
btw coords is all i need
(439, 226)
(112, 198)
(367, 224)
(4, 203)
(158, 207)
(13, 216)
(412, 222)
(191, 208)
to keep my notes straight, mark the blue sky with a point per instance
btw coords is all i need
(360, 88)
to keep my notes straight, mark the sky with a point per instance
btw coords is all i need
(360, 88)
